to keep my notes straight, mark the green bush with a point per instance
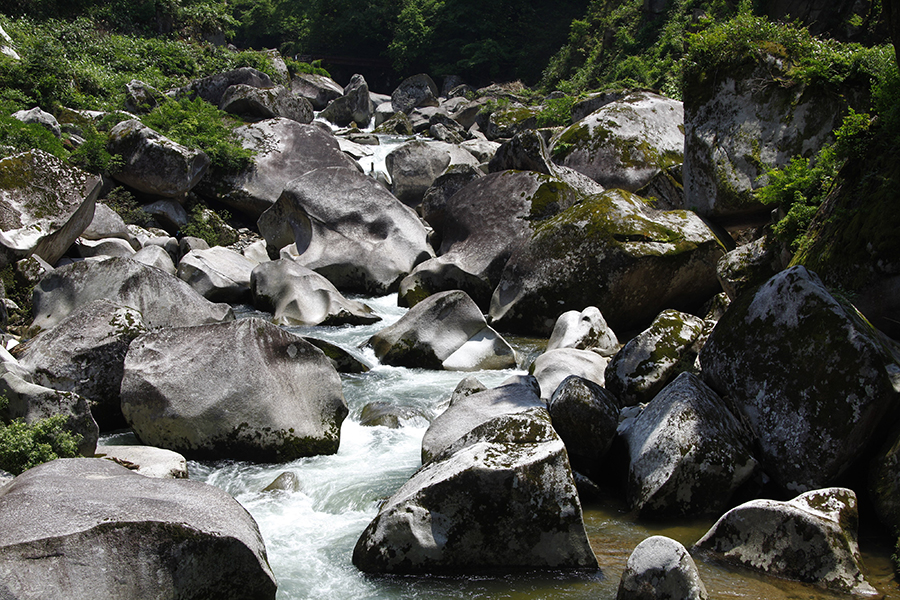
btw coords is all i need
(23, 446)
(556, 112)
(209, 226)
(16, 136)
(124, 204)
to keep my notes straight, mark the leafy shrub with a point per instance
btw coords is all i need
(556, 111)
(198, 124)
(209, 226)
(124, 204)
(314, 68)
(23, 446)
(16, 136)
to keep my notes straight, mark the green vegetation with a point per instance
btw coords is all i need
(23, 446)
(210, 226)
(124, 204)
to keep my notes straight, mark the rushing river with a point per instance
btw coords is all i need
(310, 534)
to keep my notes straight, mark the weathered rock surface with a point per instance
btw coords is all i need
(553, 366)
(97, 530)
(154, 164)
(499, 495)
(414, 92)
(44, 206)
(611, 251)
(318, 89)
(163, 300)
(246, 390)
(505, 123)
(654, 357)
(812, 379)
(147, 460)
(811, 538)
(212, 88)
(296, 295)
(626, 142)
(108, 224)
(266, 103)
(85, 353)
(141, 98)
(660, 568)
(155, 256)
(218, 274)
(446, 330)
(748, 266)
(39, 117)
(348, 228)
(585, 330)
(103, 248)
(586, 417)
(354, 106)
(414, 167)
(687, 452)
(285, 150)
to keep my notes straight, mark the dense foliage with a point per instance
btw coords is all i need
(24, 445)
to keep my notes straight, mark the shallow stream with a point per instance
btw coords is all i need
(310, 534)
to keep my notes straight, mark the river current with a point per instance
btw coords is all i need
(310, 533)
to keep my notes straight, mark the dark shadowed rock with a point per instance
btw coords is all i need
(585, 330)
(318, 89)
(414, 92)
(660, 568)
(266, 103)
(354, 106)
(585, 416)
(212, 88)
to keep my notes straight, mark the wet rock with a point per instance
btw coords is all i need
(811, 538)
(812, 379)
(296, 295)
(444, 331)
(660, 568)
(97, 530)
(267, 103)
(154, 164)
(654, 357)
(688, 453)
(285, 150)
(163, 300)
(46, 205)
(85, 353)
(611, 251)
(218, 274)
(246, 390)
(347, 227)
(585, 330)
(414, 92)
(286, 482)
(553, 366)
(625, 143)
(500, 497)
(147, 460)
(586, 417)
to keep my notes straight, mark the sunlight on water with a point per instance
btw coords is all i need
(310, 533)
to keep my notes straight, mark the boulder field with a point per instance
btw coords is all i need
(653, 385)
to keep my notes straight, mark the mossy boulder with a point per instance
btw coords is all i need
(687, 452)
(740, 122)
(347, 227)
(245, 390)
(625, 143)
(85, 354)
(654, 357)
(506, 122)
(498, 493)
(812, 539)
(284, 150)
(154, 164)
(99, 530)
(45, 204)
(612, 251)
(813, 380)
(444, 331)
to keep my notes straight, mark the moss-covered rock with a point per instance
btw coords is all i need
(811, 538)
(813, 380)
(504, 123)
(612, 251)
(747, 267)
(625, 143)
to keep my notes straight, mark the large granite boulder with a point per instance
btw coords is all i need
(687, 452)
(154, 164)
(654, 357)
(811, 538)
(736, 127)
(554, 366)
(318, 89)
(585, 330)
(414, 167)
(108, 224)
(246, 390)
(296, 295)
(85, 353)
(347, 227)
(284, 150)
(163, 300)
(354, 106)
(267, 103)
(660, 568)
(89, 528)
(218, 274)
(813, 380)
(39, 117)
(147, 460)
(45, 205)
(414, 92)
(213, 87)
(507, 122)
(625, 143)
(444, 331)
(499, 495)
(586, 417)
(749, 266)
(612, 251)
